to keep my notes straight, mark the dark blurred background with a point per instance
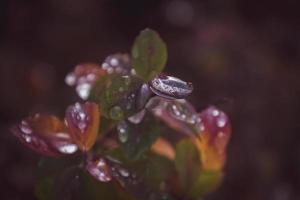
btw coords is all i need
(242, 56)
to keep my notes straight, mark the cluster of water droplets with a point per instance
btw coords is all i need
(27, 135)
(117, 63)
(47, 142)
(83, 78)
(121, 174)
(122, 129)
(78, 117)
(177, 114)
(99, 169)
(215, 121)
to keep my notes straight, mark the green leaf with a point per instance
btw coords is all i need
(157, 170)
(94, 189)
(63, 179)
(206, 183)
(57, 178)
(140, 137)
(116, 95)
(149, 54)
(187, 164)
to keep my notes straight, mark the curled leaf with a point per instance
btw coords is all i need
(179, 115)
(84, 77)
(83, 122)
(215, 134)
(45, 134)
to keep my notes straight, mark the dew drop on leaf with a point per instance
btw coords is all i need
(177, 114)
(44, 134)
(99, 169)
(122, 131)
(116, 113)
(83, 123)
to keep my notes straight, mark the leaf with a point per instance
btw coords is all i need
(206, 183)
(83, 122)
(187, 164)
(214, 137)
(57, 178)
(136, 139)
(94, 190)
(99, 169)
(149, 54)
(45, 134)
(117, 96)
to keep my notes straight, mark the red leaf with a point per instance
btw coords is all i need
(45, 134)
(83, 123)
(215, 134)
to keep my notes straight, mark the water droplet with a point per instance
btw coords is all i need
(68, 148)
(221, 121)
(79, 117)
(138, 117)
(83, 90)
(25, 128)
(215, 112)
(122, 131)
(124, 172)
(170, 87)
(133, 72)
(27, 138)
(121, 89)
(116, 113)
(99, 170)
(70, 79)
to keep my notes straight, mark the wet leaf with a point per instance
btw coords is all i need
(138, 183)
(214, 136)
(179, 115)
(117, 96)
(84, 77)
(149, 54)
(45, 134)
(62, 179)
(170, 87)
(136, 139)
(99, 169)
(83, 122)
